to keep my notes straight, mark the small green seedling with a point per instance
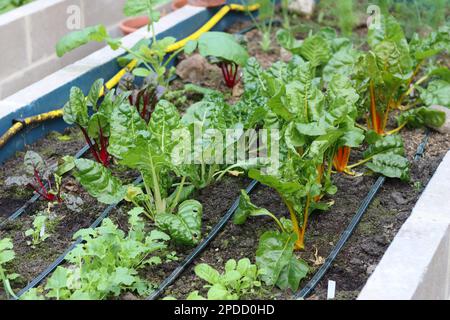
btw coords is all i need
(38, 233)
(239, 278)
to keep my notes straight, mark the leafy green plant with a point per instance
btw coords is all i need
(108, 261)
(275, 255)
(226, 51)
(387, 72)
(312, 126)
(240, 278)
(148, 149)
(7, 255)
(96, 126)
(38, 232)
(202, 122)
(38, 176)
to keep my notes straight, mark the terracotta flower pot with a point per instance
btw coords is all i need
(130, 25)
(177, 4)
(206, 3)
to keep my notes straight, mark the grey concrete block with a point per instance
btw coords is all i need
(47, 26)
(108, 12)
(13, 47)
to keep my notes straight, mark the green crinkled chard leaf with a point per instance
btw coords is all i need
(341, 63)
(390, 165)
(437, 93)
(222, 45)
(164, 120)
(129, 137)
(388, 30)
(94, 93)
(283, 187)
(246, 209)
(98, 181)
(423, 116)
(274, 254)
(387, 144)
(316, 50)
(185, 226)
(76, 110)
(292, 274)
(77, 39)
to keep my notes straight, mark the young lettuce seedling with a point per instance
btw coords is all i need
(229, 55)
(239, 279)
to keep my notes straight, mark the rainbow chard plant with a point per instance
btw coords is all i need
(95, 127)
(386, 75)
(223, 50)
(312, 125)
(146, 148)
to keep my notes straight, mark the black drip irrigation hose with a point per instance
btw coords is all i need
(36, 196)
(199, 249)
(311, 285)
(61, 258)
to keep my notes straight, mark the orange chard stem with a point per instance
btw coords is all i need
(298, 232)
(301, 241)
(340, 161)
(376, 121)
(320, 170)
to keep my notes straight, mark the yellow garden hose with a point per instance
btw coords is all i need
(19, 125)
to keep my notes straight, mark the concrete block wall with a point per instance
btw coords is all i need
(28, 36)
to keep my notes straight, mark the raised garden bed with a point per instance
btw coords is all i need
(384, 217)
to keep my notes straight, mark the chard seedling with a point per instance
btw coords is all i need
(275, 255)
(228, 54)
(39, 176)
(38, 233)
